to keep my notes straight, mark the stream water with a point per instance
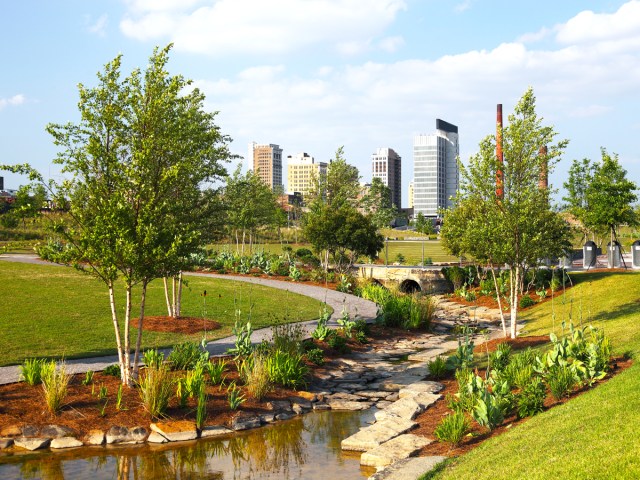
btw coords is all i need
(307, 447)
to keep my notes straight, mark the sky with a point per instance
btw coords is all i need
(314, 75)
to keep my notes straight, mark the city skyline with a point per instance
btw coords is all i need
(312, 76)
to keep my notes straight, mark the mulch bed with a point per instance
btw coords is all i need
(185, 325)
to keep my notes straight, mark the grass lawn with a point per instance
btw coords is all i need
(593, 436)
(50, 311)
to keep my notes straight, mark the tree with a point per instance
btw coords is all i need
(29, 201)
(377, 204)
(340, 186)
(516, 227)
(423, 224)
(134, 164)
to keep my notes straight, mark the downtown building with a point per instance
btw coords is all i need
(267, 163)
(386, 165)
(302, 169)
(435, 169)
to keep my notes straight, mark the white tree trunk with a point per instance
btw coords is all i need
(166, 296)
(178, 309)
(174, 298)
(126, 380)
(136, 355)
(116, 326)
(515, 280)
(495, 284)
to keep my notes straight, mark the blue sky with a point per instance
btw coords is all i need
(312, 75)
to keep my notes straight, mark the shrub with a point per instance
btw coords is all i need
(31, 370)
(287, 337)
(294, 273)
(112, 370)
(526, 301)
(346, 324)
(452, 428)
(303, 252)
(234, 396)
(499, 359)
(530, 400)
(346, 283)
(374, 292)
(488, 411)
(400, 259)
(54, 385)
(437, 367)
(338, 343)
(464, 353)
(215, 369)
(88, 377)
(155, 390)
(315, 355)
(287, 369)
(257, 380)
(185, 355)
(153, 358)
(322, 331)
(421, 311)
(243, 346)
(561, 380)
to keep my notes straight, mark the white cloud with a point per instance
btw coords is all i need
(541, 34)
(391, 44)
(463, 6)
(18, 99)
(99, 26)
(588, 26)
(223, 27)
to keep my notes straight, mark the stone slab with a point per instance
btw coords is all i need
(56, 431)
(374, 435)
(123, 435)
(426, 355)
(31, 443)
(408, 468)
(245, 422)
(214, 431)
(155, 437)
(65, 442)
(5, 443)
(398, 448)
(176, 431)
(95, 437)
(419, 388)
(409, 407)
(337, 404)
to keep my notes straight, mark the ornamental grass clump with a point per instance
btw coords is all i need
(156, 388)
(561, 379)
(54, 384)
(437, 367)
(452, 428)
(287, 369)
(31, 370)
(257, 378)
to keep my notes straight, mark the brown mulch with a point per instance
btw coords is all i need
(518, 343)
(177, 325)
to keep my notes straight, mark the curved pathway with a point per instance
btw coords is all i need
(356, 306)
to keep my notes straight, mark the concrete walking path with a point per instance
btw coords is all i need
(356, 306)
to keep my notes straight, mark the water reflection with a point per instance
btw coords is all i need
(306, 447)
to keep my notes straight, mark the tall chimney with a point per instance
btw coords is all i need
(543, 181)
(499, 154)
(1, 183)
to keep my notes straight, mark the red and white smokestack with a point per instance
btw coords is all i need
(499, 154)
(543, 179)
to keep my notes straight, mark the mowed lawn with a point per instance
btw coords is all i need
(52, 311)
(593, 436)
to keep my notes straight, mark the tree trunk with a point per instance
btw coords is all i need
(116, 326)
(166, 296)
(136, 355)
(495, 284)
(178, 309)
(126, 380)
(515, 280)
(174, 298)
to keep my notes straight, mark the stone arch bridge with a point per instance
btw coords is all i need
(407, 279)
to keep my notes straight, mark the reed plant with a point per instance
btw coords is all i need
(156, 386)
(31, 370)
(54, 384)
(257, 380)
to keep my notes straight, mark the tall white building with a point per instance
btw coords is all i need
(435, 169)
(267, 163)
(410, 194)
(386, 164)
(301, 170)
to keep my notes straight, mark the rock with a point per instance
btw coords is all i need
(94, 437)
(344, 396)
(11, 431)
(214, 431)
(374, 395)
(176, 431)
(57, 431)
(267, 418)
(419, 388)
(155, 437)
(279, 405)
(284, 416)
(245, 422)
(398, 448)
(5, 443)
(300, 402)
(299, 410)
(65, 442)
(123, 435)
(312, 397)
(29, 431)
(32, 443)
(321, 406)
(408, 407)
(408, 468)
(370, 437)
(337, 404)
(382, 404)
(426, 355)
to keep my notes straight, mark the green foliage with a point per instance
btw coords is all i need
(287, 337)
(201, 409)
(321, 331)
(294, 273)
(530, 400)
(287, 369)
(31, 370)
(235, 397)
(257, 377)
(452, 428)
(156, 386)
(338, 343)
(499, 359)
(375, 292)
(437, 367)
(561, 379)
(185, 355)
(119, 398)
(400, 259)
(216, 369)
(378, 205)
(315, 355)
(54, 385)
(153, 358)
(102, 391)
(243, 346)
(345, 284)
(346, 324)
(112, 370)
(488, 411)
(464, 353)
(88, 377)
(526, 301)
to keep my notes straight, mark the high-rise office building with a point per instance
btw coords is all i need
(410, 194)
(386, 164)
(301, 170)
(435, 169)
(267, 163)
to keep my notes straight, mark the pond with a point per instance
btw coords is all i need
(307, 447)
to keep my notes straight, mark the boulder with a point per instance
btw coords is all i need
(155, 437)
(57, 431)
(29, 431)
(338, 404)
(31, 443)
(94, 437)
(419, 388)
(408, 468)
(214, 431)
(11, 431)
(408, 407)
(398, 448)
(176, 431)
(5, 443)
(245, 422)
(123, 435)
(65, 442)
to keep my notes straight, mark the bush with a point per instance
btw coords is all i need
(530, 400)
(257, 378)
(287, 337)
(338, 343)
(437, 367)
(499, 359)
(185, 355)
(489, 410)
(322, 331)
(234, 396)
(112, 370)
(215, 369)
(286, 369)
(560, 380)
(315, 355)
(303, 252)
(31, 371)
(54, 385)
(452, 428)
(153, 358)
(155, 390)
(526, 301)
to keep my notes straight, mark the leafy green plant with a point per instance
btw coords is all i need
(54, 384)
(499, 359)
(437, 367)
(243, 345)
(294, 272)
(287, 337)
(119, 398)
(155, 390)
(452, 428)
(182, 392)
(345, 284)
(561, 379)
(185, 355)
(338, 343)
(201, 409)
(235, 398)
(530, 400)
(287, 369)
(103, 407)
(488, 410)
(346, 324)
(315, 355)
(321, 331)
(400, 259)
(112, 370)
(463, 356)
(526, 301)
(31, 370)
(216, 369)
(542, 293)
(102, 391)
(88, 377)
(153, 358)
(257, 378)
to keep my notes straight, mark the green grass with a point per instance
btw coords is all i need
(593, 435)
(412, 252)
(49, 311)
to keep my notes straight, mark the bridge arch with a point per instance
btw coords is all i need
(409, 286)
